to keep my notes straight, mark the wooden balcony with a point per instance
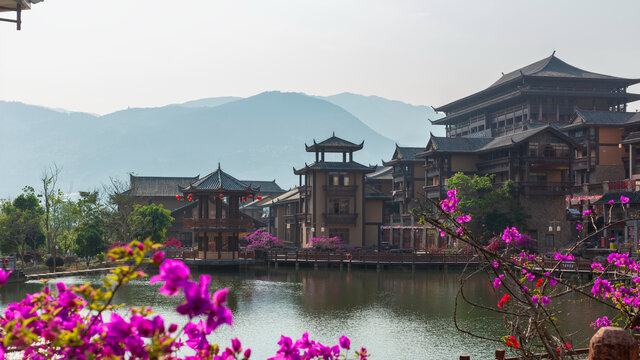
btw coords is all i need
(432, 191)
(340, 218)
(297, 218)
(546, 188)
(218, 224)
(340, 190)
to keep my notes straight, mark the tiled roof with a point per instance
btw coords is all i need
(632, 138)
(334, 144)
(265, 186)
(551, 67)
(458, 144)
(634, 197)
(408, 153)
(158, 185)
(509, 140)
(373, 193)
(219, 180)
(334, 166)
(381, 173)
(604, 118)
(289, 196)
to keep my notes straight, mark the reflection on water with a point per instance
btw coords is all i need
(395, 314)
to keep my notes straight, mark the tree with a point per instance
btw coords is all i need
(21, 224)
(491, 208)
(90, 239)
(51, 195)
(118, 209)
(150, 221)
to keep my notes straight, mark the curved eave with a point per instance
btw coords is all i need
(333, 148)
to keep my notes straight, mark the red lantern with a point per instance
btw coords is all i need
(244, 198)
(190, 197)
(221, 196)
(178, 197)
(259, 197)
(250, 196)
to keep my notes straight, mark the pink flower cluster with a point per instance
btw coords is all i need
(68, 323)
(450, 204)
(325, 243)
(261, 239)
(511, 234)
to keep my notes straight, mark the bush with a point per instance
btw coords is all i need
(59, 262)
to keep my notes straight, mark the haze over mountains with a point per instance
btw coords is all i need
(260, 137)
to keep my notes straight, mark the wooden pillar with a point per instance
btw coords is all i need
(631, 163)
(218, 208)
(205, 245)
(205, 199)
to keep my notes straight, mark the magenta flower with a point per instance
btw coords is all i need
(611, 202)
(345, 343)
(597, 267)
(236, 345)
(196, 297)
(495, 264)
(586, 212)
(4, 276)
(174, 273)
(601, 322)
(579, 227)
(463, 219)
(304, 342)
(624, 199)
(511, 234)
(158, 257)
(497, 282)
(544, 300)
(564, 258)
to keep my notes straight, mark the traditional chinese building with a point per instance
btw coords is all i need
(408, 178)
(515, 130)
(216, 221)
(332, 196)
(548, 91)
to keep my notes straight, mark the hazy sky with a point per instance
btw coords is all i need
(103, 55)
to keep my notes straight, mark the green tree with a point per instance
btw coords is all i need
(21, 224)
(492, 208)
(150, 221)
(90, 238)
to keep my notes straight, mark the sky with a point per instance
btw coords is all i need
(100, 56)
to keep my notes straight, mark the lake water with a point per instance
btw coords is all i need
(395, 314)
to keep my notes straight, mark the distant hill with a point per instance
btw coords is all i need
(260, 137)
(210, 102)
(405, 123)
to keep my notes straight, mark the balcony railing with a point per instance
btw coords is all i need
(297, 218)
(432, 191)
(340, 190)
(340, 218)
(546, 188)
(218, 223)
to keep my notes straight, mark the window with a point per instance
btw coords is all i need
(339, 206)
(533, 149)
(343, 234)
(538, 177)
(548, 240)
(339, 179)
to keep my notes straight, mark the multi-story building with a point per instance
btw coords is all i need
(548, 91)
(333, 196)
(408, 178)
(516, 129)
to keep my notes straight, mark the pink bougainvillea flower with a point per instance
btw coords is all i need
(497, 282)
(463, 219)
(624, 199)
(4, 275)
(611, 202)
(511, 234)
(196, 297)
(174, 273)
(587, 212)
(579, 227)
(345, 343)
(158, 257)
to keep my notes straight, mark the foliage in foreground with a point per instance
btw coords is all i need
(529, 290)
(71, 323)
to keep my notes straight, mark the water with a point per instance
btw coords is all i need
(395, 314)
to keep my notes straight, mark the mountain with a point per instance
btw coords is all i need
(260, 137)
(407, 124)
(210, 102)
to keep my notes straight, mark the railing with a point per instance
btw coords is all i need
(340, 218)
(363, 257)
(402, 219)
(548, 187)
(340, 190)
(194, 254)
(219, 223)
(432, 191)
